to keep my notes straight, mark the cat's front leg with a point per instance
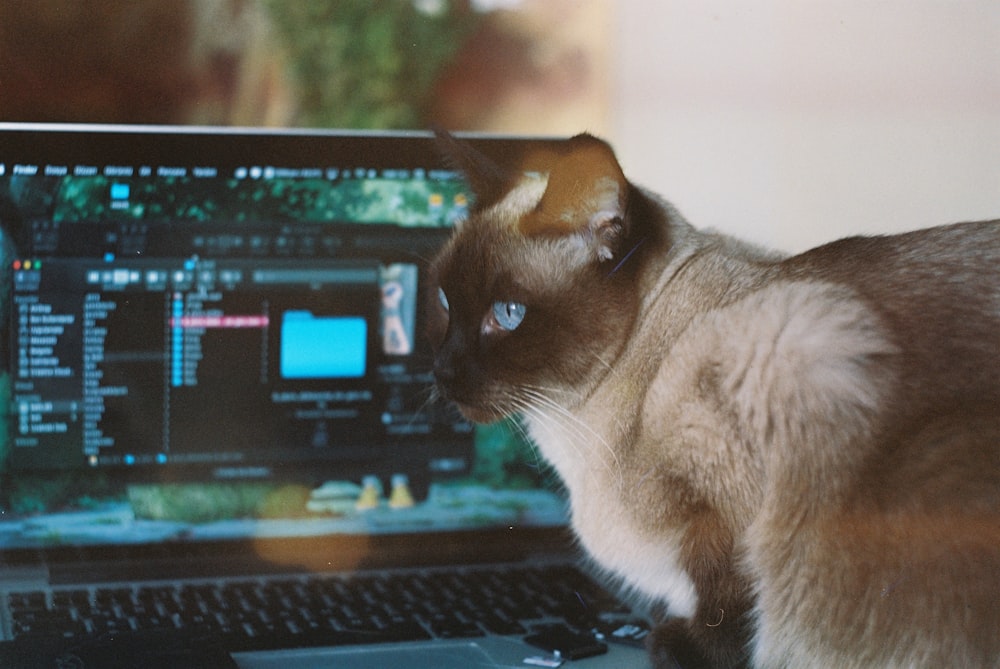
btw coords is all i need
(717, 635)
(671, 647)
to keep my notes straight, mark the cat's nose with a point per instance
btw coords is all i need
(446, 358)
(444, 367)
(444, 371)
(452, 376)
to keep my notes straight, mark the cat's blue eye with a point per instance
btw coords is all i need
(508, 315)
(443, 299)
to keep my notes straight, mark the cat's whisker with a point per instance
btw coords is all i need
(518, 424)
(431, 396)
(604, 363)
(522, 408)
(570, 426)
(573, 424)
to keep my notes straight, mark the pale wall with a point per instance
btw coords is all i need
(794, 122)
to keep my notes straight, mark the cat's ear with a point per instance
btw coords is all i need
(489, 181)
(586, 195)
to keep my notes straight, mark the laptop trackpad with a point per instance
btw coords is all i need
(439, 655)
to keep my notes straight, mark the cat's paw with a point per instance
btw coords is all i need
(671, 647)
(680, 643)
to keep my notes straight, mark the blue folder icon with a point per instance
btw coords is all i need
(314, 347)
(119, 191)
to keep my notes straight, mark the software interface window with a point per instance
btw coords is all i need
(285, 300)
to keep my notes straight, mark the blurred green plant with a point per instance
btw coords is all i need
(505, 458)
(365, 63)
(60, 491)
(208, 502)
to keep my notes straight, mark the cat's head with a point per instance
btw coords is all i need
(535, 292)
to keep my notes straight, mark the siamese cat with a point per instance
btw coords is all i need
(798, 458)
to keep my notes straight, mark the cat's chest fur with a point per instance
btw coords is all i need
(582, 451)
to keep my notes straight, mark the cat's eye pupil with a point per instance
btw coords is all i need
(443, 298)
(508, 315)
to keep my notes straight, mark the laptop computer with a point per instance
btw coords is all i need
(217, 385)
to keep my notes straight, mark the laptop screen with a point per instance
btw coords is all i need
(209, 329)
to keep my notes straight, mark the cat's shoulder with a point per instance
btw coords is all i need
(807, 348)
(781, 355)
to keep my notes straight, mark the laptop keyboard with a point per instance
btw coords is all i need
(258, 614)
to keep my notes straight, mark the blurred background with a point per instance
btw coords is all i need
(786, 122)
